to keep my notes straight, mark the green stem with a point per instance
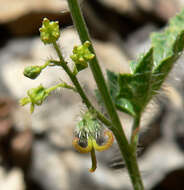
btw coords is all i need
(126, 150)
(93, 160)
(135, 132)
(94, 65)
(45, 65)
(75, 81)
(57, 48)
(54, 62)
(131, 162)
(61, 85)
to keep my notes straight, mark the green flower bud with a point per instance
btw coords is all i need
(37, 95)
(32, 71)
(81, 55)
(49, 32)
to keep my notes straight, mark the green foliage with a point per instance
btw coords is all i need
(81, 55)
(49, 32)
(132, 92)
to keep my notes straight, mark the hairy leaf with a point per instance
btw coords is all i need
(132, 92)
(135, 88)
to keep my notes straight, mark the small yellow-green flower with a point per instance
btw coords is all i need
(87, 134)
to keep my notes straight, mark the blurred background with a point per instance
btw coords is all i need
(35, 150)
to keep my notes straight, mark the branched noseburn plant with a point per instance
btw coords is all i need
(129, 93)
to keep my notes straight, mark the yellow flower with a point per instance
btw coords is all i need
(92, 145)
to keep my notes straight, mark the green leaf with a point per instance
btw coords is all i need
(164, 62)
(168, 46)
(132, 92)
(121, 103)
(112, 81)
(135, 88)
(125, 105)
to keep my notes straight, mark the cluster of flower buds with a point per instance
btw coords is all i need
(90, 135)
(81, 55)
(49, 32)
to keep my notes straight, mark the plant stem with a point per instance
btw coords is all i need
(135, 132)
(94, 65)
(93, 159)
(126, 150)
(79, 89)
(61, 85)
(57, 48)
(131, 162)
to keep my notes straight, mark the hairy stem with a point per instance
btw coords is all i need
(78, 87)
(126, 150)
(135, 132)
(62, 85)
(131, 162)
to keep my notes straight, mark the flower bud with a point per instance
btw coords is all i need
(81, 55)
(49, 32)
(32, 71)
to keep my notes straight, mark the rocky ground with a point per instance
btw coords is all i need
(36, 152)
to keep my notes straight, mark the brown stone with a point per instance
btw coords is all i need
(160, 8)
(14, 9)
(6, 107)
(22, 17)
(21, 147)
